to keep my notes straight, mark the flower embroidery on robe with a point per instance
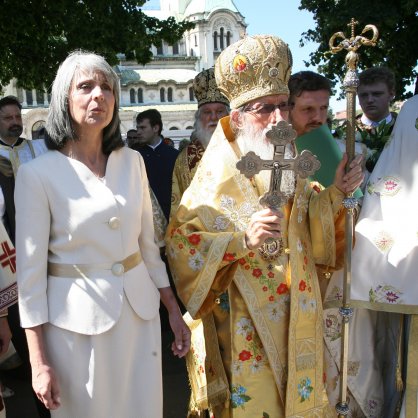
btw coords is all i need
(252, 356)
(238, 396)
(237, 215)
(302, 206)
(385, 294)
(384, 242)
(373, 409)
(385, 186)
(305, 389)
(332, 326)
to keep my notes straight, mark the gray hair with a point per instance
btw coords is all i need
(59, 124)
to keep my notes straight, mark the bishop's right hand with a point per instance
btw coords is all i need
(263, 225)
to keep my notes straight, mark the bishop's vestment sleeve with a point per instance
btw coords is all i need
(32, 239)
(202, 263)
(327, 227)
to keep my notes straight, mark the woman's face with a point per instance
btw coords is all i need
(91, 101)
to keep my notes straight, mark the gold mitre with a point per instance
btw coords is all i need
(206, 90)
(253, 67)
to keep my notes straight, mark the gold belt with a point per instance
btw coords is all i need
(73, 271)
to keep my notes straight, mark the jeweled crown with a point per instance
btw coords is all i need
(253, 67)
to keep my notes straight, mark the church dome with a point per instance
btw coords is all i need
(208, 6)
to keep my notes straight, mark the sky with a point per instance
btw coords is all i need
(281, 18)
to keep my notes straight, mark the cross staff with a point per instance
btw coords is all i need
(303, 165)
(350, 85)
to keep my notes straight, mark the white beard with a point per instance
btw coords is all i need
(251, 139)
(203, 135)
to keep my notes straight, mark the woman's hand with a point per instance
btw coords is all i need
(182, 334)
(348, 182)
(45, 386)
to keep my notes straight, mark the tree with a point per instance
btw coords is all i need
(397, 22)
(37, 35)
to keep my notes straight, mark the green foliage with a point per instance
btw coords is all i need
(37, 35)
(397, 22)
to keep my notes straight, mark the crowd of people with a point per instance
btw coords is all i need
(106, 230)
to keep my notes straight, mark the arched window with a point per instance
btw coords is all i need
(191, 94)
(162, 94)
(38, 129)
(39, 97)
(195, 40)
(174, 128)
(228, 38)
(176, 49)
(191, 52)
(221, 38)
(215, 40)
(189, 127)
(29, 98)
(160, 49)
(132, 95)
(170, 94)
(140, 96)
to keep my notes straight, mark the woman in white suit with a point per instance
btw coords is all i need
(89, 273)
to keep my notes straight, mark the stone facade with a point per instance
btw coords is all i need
(166, 82)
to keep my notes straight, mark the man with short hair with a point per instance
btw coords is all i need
(159, 157)
(309, 95)
(131, 137)
(375, 92)
(245, 273)
(16, 151)
(212, 106)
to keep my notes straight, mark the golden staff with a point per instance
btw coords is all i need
(350, 85)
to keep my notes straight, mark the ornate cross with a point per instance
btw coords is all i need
(305, 164)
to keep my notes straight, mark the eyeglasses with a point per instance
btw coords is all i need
(267, 108)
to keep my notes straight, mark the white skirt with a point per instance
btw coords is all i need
(116, 374)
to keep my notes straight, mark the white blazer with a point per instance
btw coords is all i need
(65, 214)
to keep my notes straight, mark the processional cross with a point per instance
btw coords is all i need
(350, 84)
(303, 165)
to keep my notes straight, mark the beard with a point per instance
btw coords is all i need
(203, 134)
(250, 138)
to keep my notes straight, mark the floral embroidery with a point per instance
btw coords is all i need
(302, 285)
(196, 262)
(244, 327)
(238, 216)
(277, 310)
(302, 206)
(353, 368)
(332, 327)
(224, 302)
(335, 294)
(252, 355)
(236, 368)
(384, 242)
(307, 304)
(372, 409)
(282, 289)
(229, 257)
(238, 396)
(384, 186)
(385, 294)
(244, 355)
(299, 246)
(305, 389)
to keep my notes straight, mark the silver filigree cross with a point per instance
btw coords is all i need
(304, 164)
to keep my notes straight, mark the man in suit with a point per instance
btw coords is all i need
(159, 157)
